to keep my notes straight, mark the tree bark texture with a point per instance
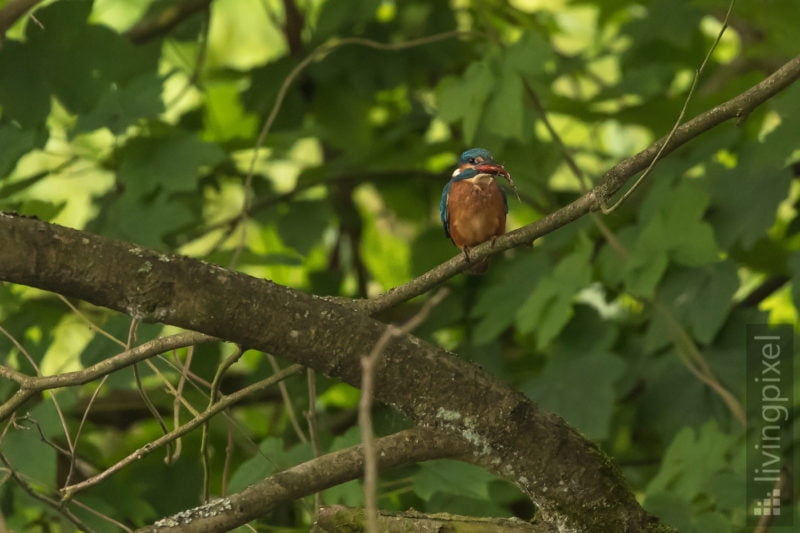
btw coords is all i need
(574, 484)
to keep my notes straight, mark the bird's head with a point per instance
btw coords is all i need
(480, 161)
(473, 157)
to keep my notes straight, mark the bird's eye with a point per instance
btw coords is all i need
(471, 160)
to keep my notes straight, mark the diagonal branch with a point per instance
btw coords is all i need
(405, 447)
(69, 491)
(31, 385)
(738, 107)
(506, 433)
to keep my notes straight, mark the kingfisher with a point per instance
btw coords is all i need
(474, 207)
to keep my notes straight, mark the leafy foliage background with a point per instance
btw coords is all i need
(600, 322)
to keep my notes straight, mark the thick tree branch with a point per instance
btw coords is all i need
(738, 107)
(318, 474)
(572, 482)
(568, 477)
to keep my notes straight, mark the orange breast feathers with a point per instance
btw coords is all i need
(476, 210)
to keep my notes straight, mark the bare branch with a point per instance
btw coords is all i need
(226, 401)
(508, 434)
(369, 364)
(31, 385)
(406, 447)
(738, 107)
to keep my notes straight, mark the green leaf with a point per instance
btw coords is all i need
(144, 222)
(746, 199)
(452, 477)
(700, 299)
(691, 459)
(429, 249)
(463, 99)
(591, 373)
(530, 55)
(120, 107)
(272, 457)
(498, 303)
(645, 268)
(672, 228)
(549, 306)
(171, 162)
(711, 522)
(15, 142)
(673, 22)
(343, 118)
(23, 96)
(303, 224)
(344, 15)
(352, 492)
(224, 116)
(386, 255)
(506, 116)
(672, 509)
(25, 449)
(794, 269)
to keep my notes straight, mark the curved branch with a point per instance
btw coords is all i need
(410, 446)
(31, 385)
(569, 478)
(573, 484)
(738, 107)
(69, 491)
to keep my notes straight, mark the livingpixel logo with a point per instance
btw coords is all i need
(770, 400)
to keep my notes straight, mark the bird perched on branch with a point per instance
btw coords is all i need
(473, 206)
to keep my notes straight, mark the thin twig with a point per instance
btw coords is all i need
(287, 401)
(368, 365)
(606, 210)
(609, 183)
(73, 456)
(89, 321)
(228, 456)
(693, 360)
(145, 398)
(44, 499)
(101, 515)
(212, 397)
(224, 402)
(176, 404)
(59, 412)
(686, 349)
(406, 447)
(311, 419)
